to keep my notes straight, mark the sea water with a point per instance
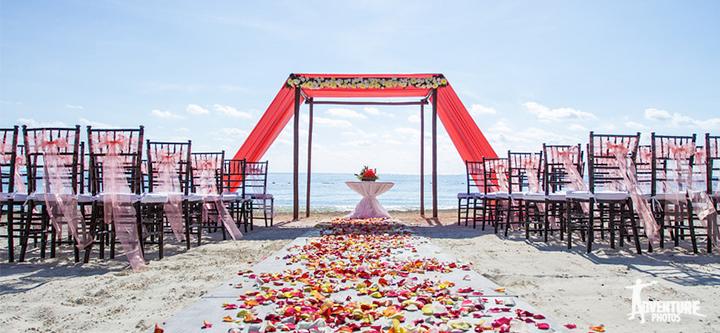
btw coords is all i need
(329, 192)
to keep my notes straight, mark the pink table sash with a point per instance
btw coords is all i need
(369, 206)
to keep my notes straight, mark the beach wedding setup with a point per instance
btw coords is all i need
(111, 194)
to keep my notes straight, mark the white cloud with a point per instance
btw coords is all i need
(30, 122)
(329, 122)
(413, 118)
(656, 114)
(376, 112)
(232, 131)
(88, 122)
(545, 113)
(231, 111)
(345, 113)
(676, 119)
(577, 127)
(477, 110)
(635, 126)
(407, 131)
(196, 109)
(165, 114)
(74, 107)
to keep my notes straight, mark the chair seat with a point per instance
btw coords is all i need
(557, 196)
(195, 197)
(599, 195)
(86, 198)
(497, 195)
(124, 196)
(534, 196)
(266, 196)
(676, 196)
(518, 195)
(14, 196)
(157, 197)
(463, 195)
(231, 196)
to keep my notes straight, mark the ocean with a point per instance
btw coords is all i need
(329, 192)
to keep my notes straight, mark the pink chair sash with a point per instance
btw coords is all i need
(707, 212)
(59, 194)
(501, 175)
(118, 205)
(629, 180)
(207, 186)
(169, 183)
(5, 158)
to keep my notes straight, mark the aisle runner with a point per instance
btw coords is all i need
(362, 276)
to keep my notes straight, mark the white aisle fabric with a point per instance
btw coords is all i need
(369, 206)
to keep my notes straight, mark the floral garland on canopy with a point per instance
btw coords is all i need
(365, 82)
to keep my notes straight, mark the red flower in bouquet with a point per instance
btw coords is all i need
(367, 174)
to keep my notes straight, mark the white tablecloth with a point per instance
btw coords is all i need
(369, 206)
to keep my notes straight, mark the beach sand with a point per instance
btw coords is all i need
(57, 295)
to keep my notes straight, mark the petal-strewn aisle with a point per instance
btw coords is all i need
(364, 276)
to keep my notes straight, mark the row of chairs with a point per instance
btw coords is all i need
(631, 192)
(54, 181)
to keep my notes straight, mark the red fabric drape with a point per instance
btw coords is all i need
(269, 127)
(469, 141)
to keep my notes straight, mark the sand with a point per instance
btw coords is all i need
(57, 295)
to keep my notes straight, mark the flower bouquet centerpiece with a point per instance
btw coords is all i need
(367, 175)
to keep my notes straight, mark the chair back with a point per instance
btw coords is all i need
(474, 175)
(495, 174)
(52, 151)
(557, 158)
(8, 159)
(207, 165)
(603, 168)
(168, 166)
(234, 176)
(524, 171)
(712, 153)
(256, 177)
(672, 158)
(123, 144)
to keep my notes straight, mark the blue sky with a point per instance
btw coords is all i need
(530, 72)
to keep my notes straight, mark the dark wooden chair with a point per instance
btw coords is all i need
(128, 148)
(469, 199)
(204, 213)
(495, 182)
(519, 184)
(561, 164)
(607, 205)
(63, 144)
(712, 178)
(256, 187)
(158, 192)
(12, 194)
(237, 202)
(669, 187)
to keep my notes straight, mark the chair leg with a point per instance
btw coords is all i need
(26, 232)
(11, 230)
(484, 213)
(546, 222)
(591, 225)
(568, 206)
(691, 226)
(633, 225)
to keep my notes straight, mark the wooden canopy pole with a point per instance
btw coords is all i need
(296, 155)
(434, 154)
(422, 160)
(309, 158)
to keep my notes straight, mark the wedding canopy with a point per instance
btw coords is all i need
(469, 141)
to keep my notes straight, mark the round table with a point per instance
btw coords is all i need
(369, 206)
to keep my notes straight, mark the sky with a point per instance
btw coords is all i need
(528, 71)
